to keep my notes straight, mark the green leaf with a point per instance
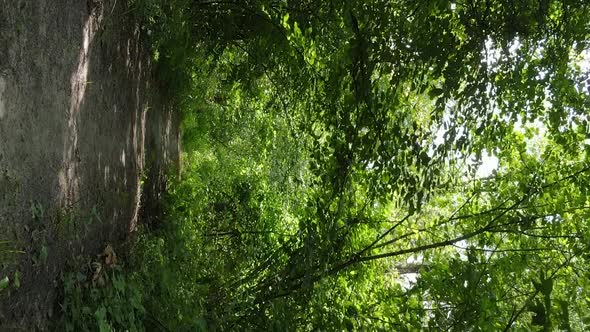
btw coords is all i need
(435, 93)
(16, 281)
(4, 282)
(101, 319)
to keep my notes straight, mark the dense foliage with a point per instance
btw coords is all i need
(339, 166)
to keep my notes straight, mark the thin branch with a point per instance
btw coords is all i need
(358, 259)
(391, 229)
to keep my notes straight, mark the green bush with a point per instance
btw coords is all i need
(115, 305)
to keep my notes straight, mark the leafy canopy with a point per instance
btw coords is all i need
(333, 166)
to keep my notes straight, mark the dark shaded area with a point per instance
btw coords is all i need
(79, 113)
